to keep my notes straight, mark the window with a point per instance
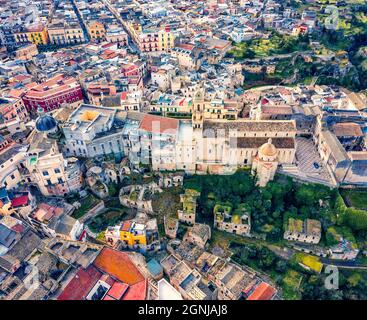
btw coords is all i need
(57, 170)
(59, 180)
(45, 173)
(12, 177)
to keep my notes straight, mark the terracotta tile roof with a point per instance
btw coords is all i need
(37, 27)
(79, 287)
(108, 279)
(21, 77)
(186, 46)
(16, 93)
(46, 212)
(126, 226)
(137, 291)
(118, 265)
(31, 85)
(156, 124)
(20, 201)
(264, 291)
(123, 95)
(348, 129)
(18, 228)
(118, 290)
(257, 142)
(52, 86)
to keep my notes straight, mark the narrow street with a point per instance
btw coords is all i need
(117, 15)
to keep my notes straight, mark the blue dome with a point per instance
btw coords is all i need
(45, 123)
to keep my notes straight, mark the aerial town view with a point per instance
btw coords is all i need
(183, 150)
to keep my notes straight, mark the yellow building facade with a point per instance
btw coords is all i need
(132, 239)
(97, 31)
(166, 40)
(130, 233)
(36, 34)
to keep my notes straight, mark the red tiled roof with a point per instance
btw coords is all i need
(126, 226)
(19, 228)
(31, 85)
(185, 46)
(37, 27)
(20, 201)
(16, 93)
(79, 287)
(123, 95)
(46, 212)
(118, 265)
(264, 291)
(108, 279)
(107, 297)
(348, 129)
(21, 77)
(52, 86)
(156, 124)
(117, 290)
(264, 101)
(107, 45)
(137, 291)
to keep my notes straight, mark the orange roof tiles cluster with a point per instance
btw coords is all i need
(157, 124)
(263, 291)
(137, 291)
(118, 265)
(348, 129)
(126, 226)
(117, 290)
(114, 268)
(79, 287)
(46, 212)
(52, 86)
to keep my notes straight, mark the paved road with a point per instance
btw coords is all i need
(277, 56)
(117, 15)
(287, 253)
(344, 264)
(81, 21)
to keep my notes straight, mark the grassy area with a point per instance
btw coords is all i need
(101, 236)
(355, 198)
(223, 239)
(113, 189)
(276, 44)
(87, 203)
(112, 203)
(309, 261)
(260, 258)
(167, 202)
(335, 234)
(108, 218)
(290, 284)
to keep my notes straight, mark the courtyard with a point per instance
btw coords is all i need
(309, 163)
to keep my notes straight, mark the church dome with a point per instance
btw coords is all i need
(268, 149)
(46, 123)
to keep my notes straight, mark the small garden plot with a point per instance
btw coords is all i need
(309, 262)
(291, 284)
(355, 198)
(87, 203)
(110, 217)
